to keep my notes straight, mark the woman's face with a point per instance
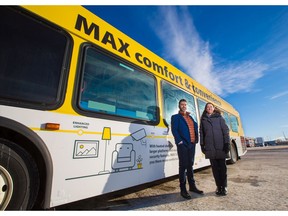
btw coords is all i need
(209, 109)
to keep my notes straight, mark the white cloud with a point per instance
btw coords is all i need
(279, 95)
(239, 76)
(185, 47)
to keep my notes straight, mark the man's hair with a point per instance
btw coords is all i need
(182, 100)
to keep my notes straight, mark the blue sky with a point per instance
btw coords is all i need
(238, 52)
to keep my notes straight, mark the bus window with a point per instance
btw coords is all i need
(171, 97)
(113, 87)
(201, 107)
(234, 123)
(226, 117)
(31, 60)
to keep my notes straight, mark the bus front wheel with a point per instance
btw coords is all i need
(16, 173)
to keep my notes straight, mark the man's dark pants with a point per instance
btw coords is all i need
(186, 154)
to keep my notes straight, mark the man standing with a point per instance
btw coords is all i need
(185, 132)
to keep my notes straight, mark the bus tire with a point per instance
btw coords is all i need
(233, 155)
(18, 177)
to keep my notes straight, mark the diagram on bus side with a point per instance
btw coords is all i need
(123, 157)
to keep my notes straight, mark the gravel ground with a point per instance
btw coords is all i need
(259, 181)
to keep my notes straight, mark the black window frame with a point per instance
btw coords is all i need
(222, 114)
(201, 100)
(107, 116)
(228, 118)
(65, 66)
(232, 123)
(195, 117)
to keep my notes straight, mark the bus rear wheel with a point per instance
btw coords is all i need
(17, 170)
(233, 155)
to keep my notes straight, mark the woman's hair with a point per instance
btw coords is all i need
(216, 109)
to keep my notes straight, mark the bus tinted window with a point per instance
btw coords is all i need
(171, 97)
(226, 117)
(234, 123)
(31, 59)
(201, 106)
(112, 87)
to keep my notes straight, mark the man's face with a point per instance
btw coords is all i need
(183, 106)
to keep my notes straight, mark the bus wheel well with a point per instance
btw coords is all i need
(233, 142)
(233, 152)
(34, 152)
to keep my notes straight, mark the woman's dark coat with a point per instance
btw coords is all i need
(214, 134)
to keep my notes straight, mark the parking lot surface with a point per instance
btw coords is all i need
(259, 181)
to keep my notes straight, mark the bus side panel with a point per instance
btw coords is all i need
(93, 156)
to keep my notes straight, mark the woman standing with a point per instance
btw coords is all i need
(215, 144)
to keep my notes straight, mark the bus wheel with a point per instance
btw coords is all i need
(6, 188)
(15, 177)
(233, 155)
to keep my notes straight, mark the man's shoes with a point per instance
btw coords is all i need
(195, 189)
(185, 195)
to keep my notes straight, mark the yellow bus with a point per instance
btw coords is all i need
(85, 110)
